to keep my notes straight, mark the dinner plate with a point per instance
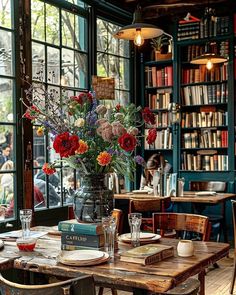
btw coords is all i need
(81, 255)
(105, 257)
(205, 193)
(143, 235)
(126, 239)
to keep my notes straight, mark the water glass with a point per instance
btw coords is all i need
(25, 218)
(109, 229)
(135, 220)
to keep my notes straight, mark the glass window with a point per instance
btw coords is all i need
(7, 107)
(113, 59)
(60, 61)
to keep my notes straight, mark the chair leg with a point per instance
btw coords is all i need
(100, 291)
(233, 279)
(113, 291)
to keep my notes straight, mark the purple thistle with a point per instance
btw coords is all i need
(91, 118)
(139, 160)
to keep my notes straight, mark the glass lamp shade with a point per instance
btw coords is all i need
(208, 57)
(147, 31)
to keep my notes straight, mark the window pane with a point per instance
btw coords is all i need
(5, 13)
(80, 33)
(68, 66)
(102, 65)
(38, 146)
(6, 144)
(81, 69)
(124, 74)
(5, 53)
(6, 100)
(38, 61)
(52, 25)
(37, 20)
(68, 24)
(53, 65)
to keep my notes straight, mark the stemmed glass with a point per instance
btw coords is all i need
(135, 220)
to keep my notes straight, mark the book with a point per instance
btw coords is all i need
(147, 254)
(76, 239)
(74, 247)
(82, 228)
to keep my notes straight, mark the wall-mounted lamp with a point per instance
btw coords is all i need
(208, 58)
(138, 31)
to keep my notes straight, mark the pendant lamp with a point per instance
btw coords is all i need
(208, 58)
(138, 31)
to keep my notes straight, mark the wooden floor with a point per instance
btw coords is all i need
(217, 279)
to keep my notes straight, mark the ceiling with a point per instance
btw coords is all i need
(159, 10)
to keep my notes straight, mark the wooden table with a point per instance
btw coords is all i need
(158, 277)
(190, 197)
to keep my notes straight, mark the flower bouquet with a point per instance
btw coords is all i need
(88, 136)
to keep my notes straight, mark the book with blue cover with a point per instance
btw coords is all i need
(73, 225)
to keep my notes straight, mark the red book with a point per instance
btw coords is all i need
(169, 76)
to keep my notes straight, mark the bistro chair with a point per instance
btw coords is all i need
(234, 270)
(83, 285)
(217, 220)
(147, 206)
(184, 223)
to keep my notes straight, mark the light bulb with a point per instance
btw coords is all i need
(209, 64)
(138, 39)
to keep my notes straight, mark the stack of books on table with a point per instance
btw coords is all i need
(76, 235)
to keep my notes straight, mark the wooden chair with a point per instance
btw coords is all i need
(234, 270)
(83, 285)
(148, 206)
(217, 221)
(182, 222)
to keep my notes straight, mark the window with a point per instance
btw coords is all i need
(113, 59)
(60, 61)
(7, 106)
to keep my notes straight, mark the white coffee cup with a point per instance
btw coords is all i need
(185, 248)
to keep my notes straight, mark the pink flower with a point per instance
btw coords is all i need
(105, 131)
(118, 129)
(133, 131)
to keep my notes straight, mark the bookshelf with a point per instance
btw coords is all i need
(158, 95)
(203, 144)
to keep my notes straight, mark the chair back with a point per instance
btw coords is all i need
(148, 206)
(83, 285)
(217, 186)
(182, 222)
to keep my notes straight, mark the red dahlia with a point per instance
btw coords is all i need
(66, 144)
(127, 142)
(152, 135)
(148, 116)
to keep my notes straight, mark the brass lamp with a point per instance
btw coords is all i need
(138, 31)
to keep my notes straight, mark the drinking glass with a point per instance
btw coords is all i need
(135, 220)
(109, 228)
(25, 218)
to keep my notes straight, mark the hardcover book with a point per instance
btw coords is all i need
(147, 254)
(71, 238)
(72, 225)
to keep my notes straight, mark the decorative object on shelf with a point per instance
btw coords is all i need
(90, 138)
(208, 58)
(174, 113)
(162, 46)
(138, 30)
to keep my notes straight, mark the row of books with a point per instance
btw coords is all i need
(207, 138)
(203, 28)
(162, 119)
(159, 100)
(204, 119)
(76, 235)
(163, 140)
(191, 51)
(204, 94)
(159, 77)
(192, 162)
(197, 75)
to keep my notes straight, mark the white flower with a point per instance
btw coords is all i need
(79, 122)
(133, 131)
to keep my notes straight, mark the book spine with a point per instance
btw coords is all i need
(80, 228)
(82, 240)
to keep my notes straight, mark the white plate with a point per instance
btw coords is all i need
(81, 255)
(142, 192)
(126, 239)
(105, 257)
(142, 236)
(205, 193)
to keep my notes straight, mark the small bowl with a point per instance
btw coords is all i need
(26, 244)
